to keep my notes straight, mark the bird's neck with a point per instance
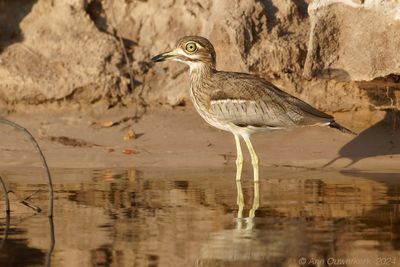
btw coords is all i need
(200, 83)
(200, 71)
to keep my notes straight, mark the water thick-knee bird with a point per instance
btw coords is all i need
(240, 103)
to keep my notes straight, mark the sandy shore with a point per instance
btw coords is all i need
(178, 137)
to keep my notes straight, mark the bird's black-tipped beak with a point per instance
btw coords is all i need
(163, 56)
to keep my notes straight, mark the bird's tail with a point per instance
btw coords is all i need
(336, 125)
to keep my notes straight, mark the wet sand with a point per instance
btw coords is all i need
(178, 137)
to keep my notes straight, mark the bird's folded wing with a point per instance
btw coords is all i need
(249, 113)
(256, 102)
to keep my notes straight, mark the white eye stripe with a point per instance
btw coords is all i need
(180, 52)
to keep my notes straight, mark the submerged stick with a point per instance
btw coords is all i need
(5, 232)
(24, 201)
(6, 200)
(52, 243)
(30, 205)
(42, 158)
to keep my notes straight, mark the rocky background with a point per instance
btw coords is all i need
(339, 55)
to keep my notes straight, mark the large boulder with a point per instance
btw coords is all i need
(353, 40)
(72, 51)
(60, 55)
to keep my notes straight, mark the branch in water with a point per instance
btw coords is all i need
(42, 158)
(24, 201)
(6, 200)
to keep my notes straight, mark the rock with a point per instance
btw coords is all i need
(67, 52)
(61, 56)
(353, 40)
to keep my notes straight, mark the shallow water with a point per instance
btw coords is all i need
(116, 217)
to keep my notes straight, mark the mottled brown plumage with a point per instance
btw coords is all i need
(237, 102)
(246, 100)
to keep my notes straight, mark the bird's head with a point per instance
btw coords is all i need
(194, 51)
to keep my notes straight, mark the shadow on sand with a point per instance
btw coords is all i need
(380, 139)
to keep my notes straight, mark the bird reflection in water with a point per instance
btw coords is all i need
(240, 203)
(244, 243)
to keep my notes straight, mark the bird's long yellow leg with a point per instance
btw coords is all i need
(254, 158)
(256, 200)
(240, 199)
(239, 158)
(239, 164)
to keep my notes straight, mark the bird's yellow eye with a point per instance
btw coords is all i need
(191, 47)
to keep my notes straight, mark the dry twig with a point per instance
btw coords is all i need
(121, 42)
